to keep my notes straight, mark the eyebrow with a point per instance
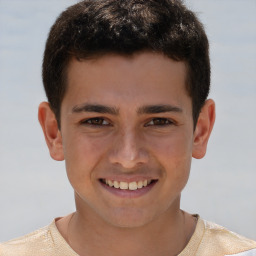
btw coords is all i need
(95, 108)
(148, 109)
(156, 109)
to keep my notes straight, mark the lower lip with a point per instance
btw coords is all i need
(126, 193)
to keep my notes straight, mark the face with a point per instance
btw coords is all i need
(127, 136)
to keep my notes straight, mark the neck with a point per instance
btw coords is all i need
(168, 235)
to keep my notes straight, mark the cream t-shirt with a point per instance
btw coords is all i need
(209, 239)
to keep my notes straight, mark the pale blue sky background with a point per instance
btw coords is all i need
(34, 189)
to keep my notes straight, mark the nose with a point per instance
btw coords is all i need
(128, 150)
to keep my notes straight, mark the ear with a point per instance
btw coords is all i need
(51, 131)
(203, 129)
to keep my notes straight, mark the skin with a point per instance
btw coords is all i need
(129, 142)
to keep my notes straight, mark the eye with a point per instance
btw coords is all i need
(159, 122)
(97, 121)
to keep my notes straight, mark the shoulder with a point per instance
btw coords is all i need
(44, 241)
(217, 240)
(37, 243)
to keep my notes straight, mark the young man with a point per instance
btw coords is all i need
(127, 83)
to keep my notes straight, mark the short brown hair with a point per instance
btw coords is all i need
(97, 27)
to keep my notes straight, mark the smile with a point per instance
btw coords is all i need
(134, 185)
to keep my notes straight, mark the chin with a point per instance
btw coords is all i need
(129, 218)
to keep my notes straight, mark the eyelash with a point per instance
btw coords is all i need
(89, 121)
(166, 121)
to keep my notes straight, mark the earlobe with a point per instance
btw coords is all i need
(51, 131)
(203, 129)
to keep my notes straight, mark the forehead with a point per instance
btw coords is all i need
(148, 77)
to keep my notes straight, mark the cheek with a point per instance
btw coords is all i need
(174, 155)
(82, 154)
(173, 148)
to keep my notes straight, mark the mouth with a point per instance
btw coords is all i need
(128, 188)
(123, 185)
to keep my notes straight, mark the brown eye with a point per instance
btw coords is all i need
(96, 121)
(159, 121)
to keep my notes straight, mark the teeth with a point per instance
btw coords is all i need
(128, 185)
(140, 184)
(110, 183)
(133, 185)
(124, 185)
(116, 184)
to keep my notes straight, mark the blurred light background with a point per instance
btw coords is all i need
(34, 188)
